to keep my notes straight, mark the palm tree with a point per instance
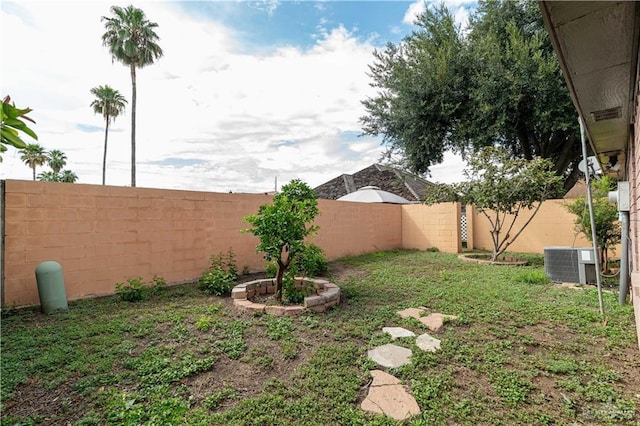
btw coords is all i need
(131, 40)
(110, 103)
(33, 155)
(49, 177)
(56, 160)
(68, 176)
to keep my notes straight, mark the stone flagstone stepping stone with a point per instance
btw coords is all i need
(390, 355)
(388, 396)
(397, 332)
(434, 322)
(427, 343)
(412, 313)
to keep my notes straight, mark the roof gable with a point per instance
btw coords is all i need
(399, 182)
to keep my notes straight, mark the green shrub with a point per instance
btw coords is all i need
(225, 261)
(158, 283)
(271, 269)
(221, 275)
(293, 294)
(133, 291)
(311, 261)
(217, 282)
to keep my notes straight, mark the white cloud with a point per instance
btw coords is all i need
(204, 100)
(230, 120)
(450, 170)
(459, 8)
(415, 9)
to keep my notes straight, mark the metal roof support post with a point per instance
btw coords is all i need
(624, 259)
(591, 215)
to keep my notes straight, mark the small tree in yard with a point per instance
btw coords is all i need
(608, 230)
(283, 226)
(500, 187)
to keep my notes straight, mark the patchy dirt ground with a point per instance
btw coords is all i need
(263, 360)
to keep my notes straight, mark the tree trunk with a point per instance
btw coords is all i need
(33, 169)
(279, 278)
(104, 158)
(133, 125)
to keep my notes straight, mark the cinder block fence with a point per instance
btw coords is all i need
(102, 235)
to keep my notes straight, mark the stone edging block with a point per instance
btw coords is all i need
(328, 295)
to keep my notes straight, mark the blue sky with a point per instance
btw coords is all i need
(245, 92)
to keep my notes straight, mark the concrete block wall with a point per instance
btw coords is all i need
(553, 225)
(432, 226)
(102, 235)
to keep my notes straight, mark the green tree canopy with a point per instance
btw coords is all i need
(33, 155)
(11, 124)
(110, 104)
(68, 176)
(283, 226)
(608, 227)
(56, 159)
(498, 83)
(499, 187)
(132, 40)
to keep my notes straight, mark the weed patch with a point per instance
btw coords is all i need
(522, 351)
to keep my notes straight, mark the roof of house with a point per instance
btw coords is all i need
(399, 182)
(578, 190)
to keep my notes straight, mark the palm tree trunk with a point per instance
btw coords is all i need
(33, 169)
(104, 158)
(133, 125)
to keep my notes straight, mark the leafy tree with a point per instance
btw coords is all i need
(11, 123)
(49, 176)
(33, 155)
(283, 226)
(68, 176)
(110, 103)
(499, 187)
(608, 228)
(499, 83)
(131, 39)
(56, 159)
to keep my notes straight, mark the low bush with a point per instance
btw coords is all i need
(219, 279)
(136, 290)
(292, 293)
(217, 282)
(311, 261)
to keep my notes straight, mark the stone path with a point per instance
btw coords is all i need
(390, 355)
(433, 321)
(398, 332)
(388, 396)
(386, 393)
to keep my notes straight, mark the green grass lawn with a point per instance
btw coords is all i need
(523, 351)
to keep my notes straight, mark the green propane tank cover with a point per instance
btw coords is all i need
(53, 296)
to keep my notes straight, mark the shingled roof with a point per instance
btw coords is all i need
(402, 183)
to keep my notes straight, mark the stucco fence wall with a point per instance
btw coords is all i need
(102, 235)
(553, 225)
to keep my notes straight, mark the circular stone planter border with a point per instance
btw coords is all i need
(328, 295)
(485, 259)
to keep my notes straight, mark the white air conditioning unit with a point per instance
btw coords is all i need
(570, 264)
